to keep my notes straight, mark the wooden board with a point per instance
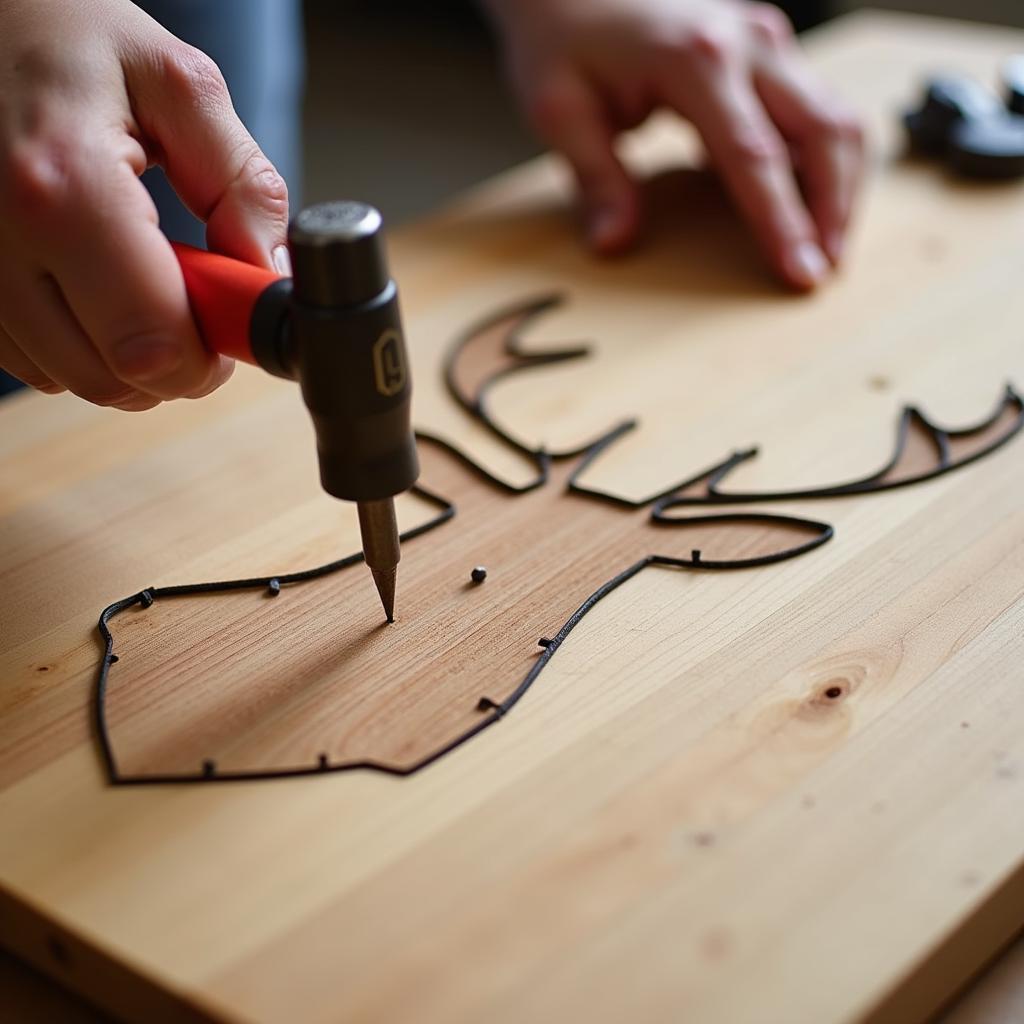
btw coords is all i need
(674, 822)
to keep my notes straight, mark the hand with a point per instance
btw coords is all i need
(91, 296)
(790, 153)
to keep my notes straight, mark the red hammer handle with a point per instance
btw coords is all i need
(222, 293)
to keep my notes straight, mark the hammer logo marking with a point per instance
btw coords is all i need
(389, 363)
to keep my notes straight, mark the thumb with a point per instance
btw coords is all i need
(570, 118)
(183, 106)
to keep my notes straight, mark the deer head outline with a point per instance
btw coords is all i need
(395, 700)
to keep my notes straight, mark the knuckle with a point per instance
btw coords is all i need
(707, 45)
(753, 146)
(40, 177)
(259, 174)
(193, 73)
(769, 24)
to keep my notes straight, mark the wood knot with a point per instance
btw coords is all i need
(839, 683)
(830, 693)
(826, 700)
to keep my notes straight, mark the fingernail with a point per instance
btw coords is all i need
(807, 264)
(144, 359)
(604, 228)
(834, 246)
(220, 373)
(282, 261)
(140, 403)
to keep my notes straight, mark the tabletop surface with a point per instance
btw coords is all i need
(783, 793)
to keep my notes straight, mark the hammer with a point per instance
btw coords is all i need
(335, 327)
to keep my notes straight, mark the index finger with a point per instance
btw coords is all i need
(123, 283)
(829, 139)
(753, 159)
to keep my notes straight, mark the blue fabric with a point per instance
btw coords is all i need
(258, 45)
(8, 383)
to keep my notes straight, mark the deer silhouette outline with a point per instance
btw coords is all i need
(462, 654)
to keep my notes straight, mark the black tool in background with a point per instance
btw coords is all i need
(969, 128)
(1013, 79)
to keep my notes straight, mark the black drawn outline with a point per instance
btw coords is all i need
(476, 405)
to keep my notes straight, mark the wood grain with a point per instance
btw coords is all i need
(243, 684)
(678, 822)
(233, 683)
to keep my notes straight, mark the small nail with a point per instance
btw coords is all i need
(282, 261)
(806, 264)
(145, 359)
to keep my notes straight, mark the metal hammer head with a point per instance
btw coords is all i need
(345, 345)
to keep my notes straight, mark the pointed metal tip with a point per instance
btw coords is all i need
(385, 580)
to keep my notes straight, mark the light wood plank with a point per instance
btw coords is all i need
(677, 820)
